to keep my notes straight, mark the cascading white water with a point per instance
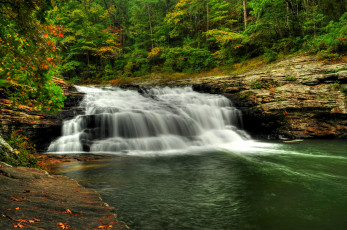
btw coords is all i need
(157, 120)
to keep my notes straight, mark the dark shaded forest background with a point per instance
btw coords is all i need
(104, 40)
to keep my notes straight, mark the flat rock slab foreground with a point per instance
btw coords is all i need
(33, 199)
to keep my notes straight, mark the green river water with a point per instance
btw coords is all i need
(263, 185)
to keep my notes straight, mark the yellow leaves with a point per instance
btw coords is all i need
(223, 37)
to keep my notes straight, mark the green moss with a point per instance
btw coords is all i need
(291, 78)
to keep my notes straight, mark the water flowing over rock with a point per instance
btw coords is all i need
(299, 97)
(157, 119)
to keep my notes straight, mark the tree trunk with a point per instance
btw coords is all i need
(150, 25)
(207, 21)
(245, 13)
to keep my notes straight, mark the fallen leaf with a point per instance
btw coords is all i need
(3, 215)
(18, 225)
(14, 199)
(31, 221)
(105, 226)
(21, 220)
(37, 220)
(68, 211)
(17, 208)
(64, 226)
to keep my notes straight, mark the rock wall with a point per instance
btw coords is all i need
(297, 98)
(39, 127)
(300, 97)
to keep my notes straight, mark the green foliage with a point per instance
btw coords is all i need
(101, 40)
(29, 54)
(23, 154)
(270, 54)
(333, 38)
(90, 44)
(257, 85)
(187, 59)
(291, 78)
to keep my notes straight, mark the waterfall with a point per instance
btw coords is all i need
(156, 120)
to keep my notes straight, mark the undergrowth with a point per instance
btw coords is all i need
(24, 153)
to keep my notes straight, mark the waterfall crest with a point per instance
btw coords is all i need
(158, 119)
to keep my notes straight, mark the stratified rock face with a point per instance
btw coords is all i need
(39, 127)
(300, 97)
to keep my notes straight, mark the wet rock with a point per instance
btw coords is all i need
(33, 199)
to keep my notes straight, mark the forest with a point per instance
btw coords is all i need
(110, 40)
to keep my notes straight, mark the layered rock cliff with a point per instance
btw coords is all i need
(300, 97)
(40, 127)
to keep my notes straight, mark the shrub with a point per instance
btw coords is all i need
(187, 59)
(23, 154)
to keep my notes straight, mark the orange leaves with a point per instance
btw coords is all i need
(45, 35)
(18, 225)
(105, 226)
(14, 199)
(68, 211)
(35, 220)
(64, 226)
(21, 220)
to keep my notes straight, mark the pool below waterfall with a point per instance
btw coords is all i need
(182, 161)
(268, 186)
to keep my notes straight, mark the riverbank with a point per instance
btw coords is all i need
(34, 199)
(301, 97)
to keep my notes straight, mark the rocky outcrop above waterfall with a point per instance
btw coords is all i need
(39, 127)
(301, 97)
(31, 198)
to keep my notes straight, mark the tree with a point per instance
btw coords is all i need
(90, 44)
(29, 55)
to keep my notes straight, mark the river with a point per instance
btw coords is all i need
(182, 161)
